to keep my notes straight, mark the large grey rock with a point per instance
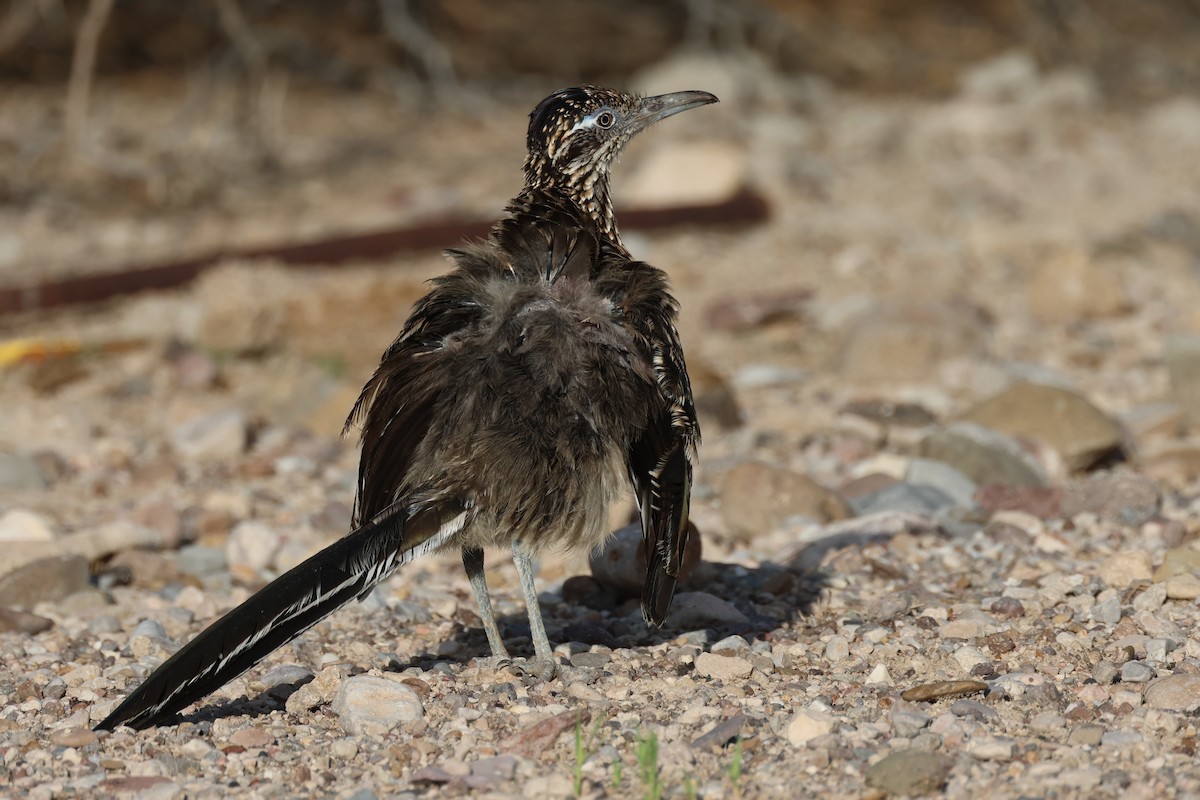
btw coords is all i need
(757, 499)
(1059, 417)
(983, 455)
(904, 497)
(943, 477)
(44, 580)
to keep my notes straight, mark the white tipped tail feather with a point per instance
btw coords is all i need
(288, 606)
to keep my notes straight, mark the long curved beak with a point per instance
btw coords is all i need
(662, 106)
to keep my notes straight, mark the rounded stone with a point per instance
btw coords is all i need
(910, 772)
(368, 704)
(808, 725)
(1126, 567)
(1183, 587)
(1179, 692)
(722, 667)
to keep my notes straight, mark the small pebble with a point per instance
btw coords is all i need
(910, 772)
(590, 659)
(345, 748)
(13, 620)
(18, 525)
(1151, 599)
(104, 624)
(150, 629)
(908, 723)
(1085, 735)
(1136, 672)
(1108, 611)
(196, 748)
(837, 648)
(808, 725)
(879, 676)
(712, 665)
(1125, 568)
(892, 605)
(286, 674)
(1120, 738)
(939, 689)
(251, 738)
(730, 645)
(1047, 721)
(973, 709)
(993, 748)
(74, 737)
(1008, 608)
(1105, 672)
(1158, 649)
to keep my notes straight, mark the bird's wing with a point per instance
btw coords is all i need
(662, 477)
(286, 608)
(398, 403)
(660, 459)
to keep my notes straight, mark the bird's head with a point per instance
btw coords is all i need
(576, 134)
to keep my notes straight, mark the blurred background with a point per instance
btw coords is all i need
(215, 215)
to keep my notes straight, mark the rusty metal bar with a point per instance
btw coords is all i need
(743, 208)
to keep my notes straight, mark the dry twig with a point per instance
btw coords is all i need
(405, 30)
(21, 17)
(265, 97)
(83, 65)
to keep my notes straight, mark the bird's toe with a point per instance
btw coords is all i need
(542, 669)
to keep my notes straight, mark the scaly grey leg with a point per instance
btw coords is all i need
(544, 666)
(473, 562)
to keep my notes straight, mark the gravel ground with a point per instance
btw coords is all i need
(946, 492)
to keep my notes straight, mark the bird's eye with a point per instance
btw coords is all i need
(606, 119)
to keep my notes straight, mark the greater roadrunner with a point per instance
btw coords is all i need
(526, 388)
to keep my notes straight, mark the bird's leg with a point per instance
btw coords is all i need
(473, 562)
(543, 665)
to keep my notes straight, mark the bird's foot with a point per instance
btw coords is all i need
(543, 669)
(499, 663)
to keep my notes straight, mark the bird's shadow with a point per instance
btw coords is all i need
(769, 596)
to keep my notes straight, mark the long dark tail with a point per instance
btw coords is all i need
(285, 608)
